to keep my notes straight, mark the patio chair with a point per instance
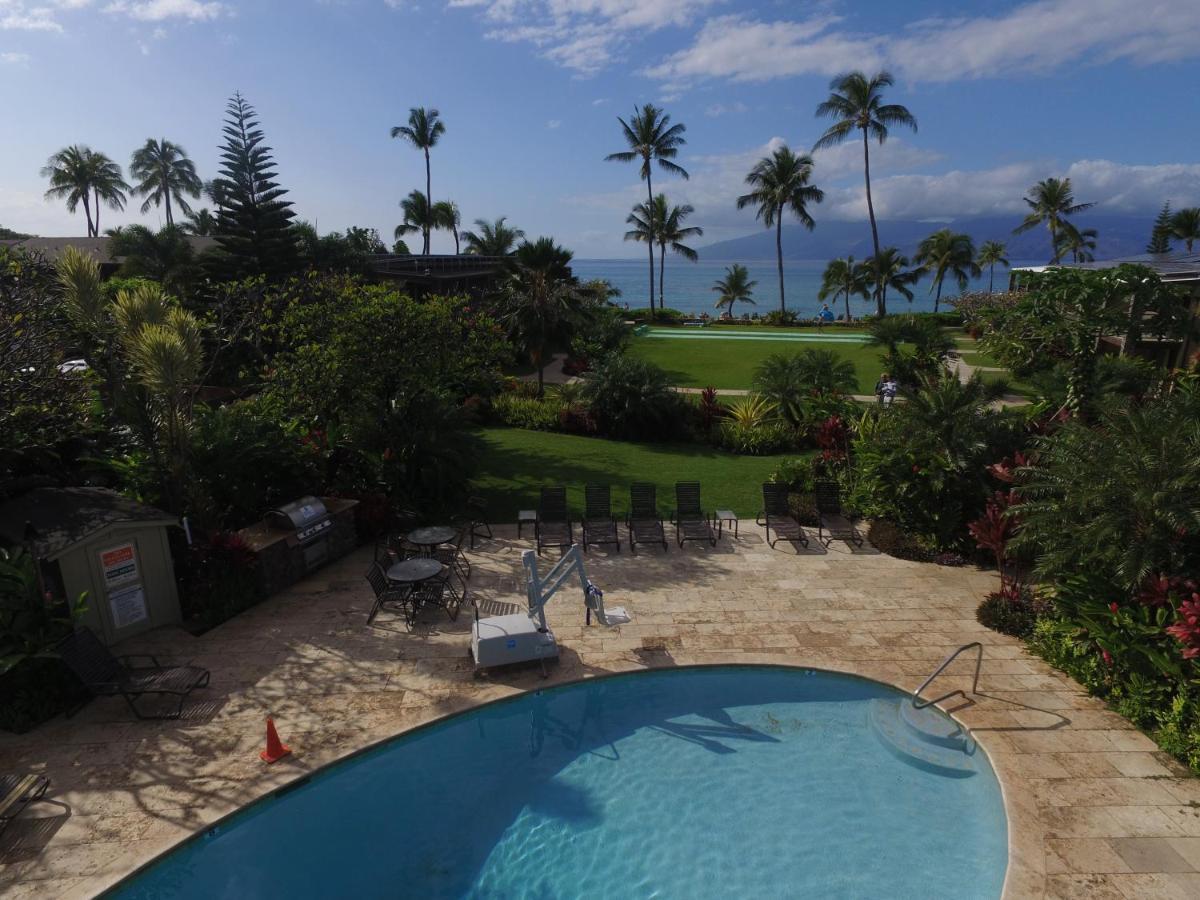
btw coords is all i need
(439, 590)
(691, 524)
(477, 526)
(389, 596)
(17, 792)
(777, 516)
(553, 526)
(106, 675)
(644, 522)
(453, 574)
(599, 524)
(831, 519)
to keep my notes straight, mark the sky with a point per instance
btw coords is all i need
(1005, 94)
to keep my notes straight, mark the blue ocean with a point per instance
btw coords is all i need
(688, 285)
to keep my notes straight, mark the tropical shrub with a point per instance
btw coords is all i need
(781, 317)
(527, 412)
(1012, 610)
(665, 315)
(799, 474)
(711, 409)
(218, 579)
(600, 334)
(632, 398)
(915, 347)
(753, 427)
(806, 386)
(888, 537)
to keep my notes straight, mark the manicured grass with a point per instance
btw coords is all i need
(517, 463)
(731, 363)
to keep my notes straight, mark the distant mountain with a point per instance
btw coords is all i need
(1118, 236)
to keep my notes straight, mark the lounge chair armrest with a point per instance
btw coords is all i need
(761, 518)
(127, 660)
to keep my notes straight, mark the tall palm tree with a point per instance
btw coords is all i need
(734, 287)
(991, 253)
(1185, 226)
(418, 216)
(1080, 243)
(845, 278)
(422, 131)
(163, 171)
(856, 102)
(672, 233)
(1051, 201)
(651, 138)
(448, 217)
(890, 271)
(781, 182)
(79, 174)
(946, 253)
(492, 238)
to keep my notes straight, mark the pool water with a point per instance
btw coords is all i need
(731, 781)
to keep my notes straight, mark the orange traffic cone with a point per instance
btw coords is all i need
(275, 749)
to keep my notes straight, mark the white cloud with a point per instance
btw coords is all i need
(1039, 36)
(46, 15)
(14, 59)
(724, 109)
(552, 124)
(161, 10)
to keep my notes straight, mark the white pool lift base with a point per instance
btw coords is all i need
(525, 637)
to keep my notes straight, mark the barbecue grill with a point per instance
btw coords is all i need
(308, 521)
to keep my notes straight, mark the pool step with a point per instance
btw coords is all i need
(925, 739)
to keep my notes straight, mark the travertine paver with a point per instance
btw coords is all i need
(1095, 810)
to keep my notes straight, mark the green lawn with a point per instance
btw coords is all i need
(731, 363)
(517, 463)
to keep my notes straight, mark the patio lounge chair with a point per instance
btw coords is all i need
(17, 792)
(644, 522)
(832, 520)
(599, 525)
(389, 595)
(553, 526)
(777, 516)
(691, 524)
(106, 675)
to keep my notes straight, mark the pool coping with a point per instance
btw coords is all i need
(104, 886)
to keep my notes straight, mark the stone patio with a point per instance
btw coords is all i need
(1094, 809)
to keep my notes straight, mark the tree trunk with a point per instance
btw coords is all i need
(650, 243)
(937, 301)
(847, 292)
(87, 211)
(456, 245)
(991, 277)
(537, 358)
(662, 271)
(97, 234)
(880, 308)
(170, 220)
(779, 256)
(428, 201)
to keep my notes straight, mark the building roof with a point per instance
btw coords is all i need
(1169, 266)
(52, 247)
(62, 517)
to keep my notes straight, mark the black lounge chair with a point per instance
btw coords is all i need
(17, 792)
(106, 675)
(644, 523)
(777, 516)
(453, 575)
(599, 524)
(691, 524)
(477, 526)
(831, 519)
(389, 595)
(553, 526)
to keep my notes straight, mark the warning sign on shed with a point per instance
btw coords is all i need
(118, 565)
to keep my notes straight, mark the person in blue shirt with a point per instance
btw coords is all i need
(825, 315)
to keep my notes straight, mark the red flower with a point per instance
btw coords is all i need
(1186, 629)
(1108, 660)
(1113, 606)
(916, 468)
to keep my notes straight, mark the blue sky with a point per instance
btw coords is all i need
(1005, 94)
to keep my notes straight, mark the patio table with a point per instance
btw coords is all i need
(413, 571)
(429, 537)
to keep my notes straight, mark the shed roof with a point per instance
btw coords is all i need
(64, 517)
(52, 247)
(1169, 266)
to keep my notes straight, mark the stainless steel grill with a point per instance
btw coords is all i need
(308, 520)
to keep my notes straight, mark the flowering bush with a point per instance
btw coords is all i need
(218, 579)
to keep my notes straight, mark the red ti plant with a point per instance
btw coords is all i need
(710, 408)
(833, 437)
(993, 531)
(1006, 469)
(1186, 629)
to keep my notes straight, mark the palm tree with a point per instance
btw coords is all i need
(856, 102)
(991, 253)
(163, 172)
(492, 239)
(1051, 201)
(539, 310)
(448, 217)
(781, 182)
(77, 174)
(200, 222)
(543, 255)
(422, 131)
(789, 379)
(1080, 243)
(735, 286)
(890, 271)
(651, 137)
(1185, 226)
(845, 278)
(418, 216)
(671, 233)
(946, 253)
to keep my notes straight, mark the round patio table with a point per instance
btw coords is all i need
(432, 535)
(412, 571)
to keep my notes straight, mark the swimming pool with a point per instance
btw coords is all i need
(728, 781)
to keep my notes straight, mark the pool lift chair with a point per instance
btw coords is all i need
(525, 636)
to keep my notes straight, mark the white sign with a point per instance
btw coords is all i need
(118, 565)
(128, 606)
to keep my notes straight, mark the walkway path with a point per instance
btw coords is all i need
(1095, 810)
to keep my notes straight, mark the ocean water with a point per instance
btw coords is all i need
(688, 285)
(732, 781)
